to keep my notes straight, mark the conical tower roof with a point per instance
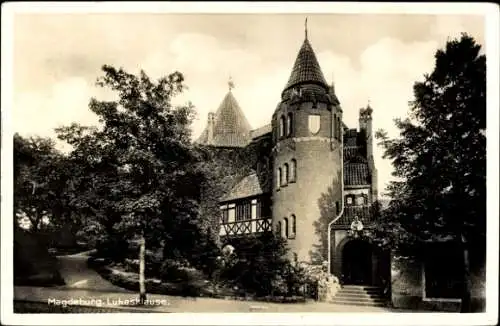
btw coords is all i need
(231, 128)
(306, 68)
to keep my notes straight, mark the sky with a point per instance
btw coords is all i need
(371, 58)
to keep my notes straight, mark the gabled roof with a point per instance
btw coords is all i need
(306, 68)
(249, 186)
(231, 127)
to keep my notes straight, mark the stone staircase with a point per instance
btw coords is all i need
(360, 295)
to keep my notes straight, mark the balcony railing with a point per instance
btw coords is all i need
(364, 213)
(246, 227)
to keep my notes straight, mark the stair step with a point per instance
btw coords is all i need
(378, 300)
(350, 292)
(359, 295)
(351, 303)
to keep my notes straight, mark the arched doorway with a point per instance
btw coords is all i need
(357, 263)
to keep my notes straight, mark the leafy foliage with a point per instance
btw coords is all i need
(260, 266)
(138, 173)
(440, 159)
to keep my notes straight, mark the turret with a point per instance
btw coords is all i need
(306, 126)
(366, 128)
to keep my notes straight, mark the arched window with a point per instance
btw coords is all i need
(294, 224)
(282, 127)
(293, 170)
(289, 124)
(286, 226)
(278, 228)
(287, 172)
(278, 178)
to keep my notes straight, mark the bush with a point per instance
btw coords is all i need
(179, 271)
(259, 266)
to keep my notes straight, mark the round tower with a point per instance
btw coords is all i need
(307, 133)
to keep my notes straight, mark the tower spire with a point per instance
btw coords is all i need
(230, 83)
(306, 28)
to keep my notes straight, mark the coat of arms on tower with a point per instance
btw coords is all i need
(314, 123)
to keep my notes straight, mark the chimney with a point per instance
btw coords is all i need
(210, 128)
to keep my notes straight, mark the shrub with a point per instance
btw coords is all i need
(259, 266)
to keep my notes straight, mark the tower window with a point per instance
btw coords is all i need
(286, 174)
(286, 226)
(282, 127)
(289, 124)
(278, 228)
(294, 225)
(278, 179)
(293, 170)
(337, 207)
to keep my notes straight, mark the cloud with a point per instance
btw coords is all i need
(54, 86)
(38, 113)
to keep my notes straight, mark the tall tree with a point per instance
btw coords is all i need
(440, 159)
(39, 179)
(139, 178)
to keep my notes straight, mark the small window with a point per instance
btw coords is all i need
(289, 124)
(293, 170)
(360, 200)
(285, 226)
(282, 127)
(294, 225)
(278, 228)
(278, 178)
(349, 200)
(337, 207)
(286, 174)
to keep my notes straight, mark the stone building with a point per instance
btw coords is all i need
(314, 161)
(314, 182)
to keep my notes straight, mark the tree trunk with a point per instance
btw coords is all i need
(142, 265)
(467, 284)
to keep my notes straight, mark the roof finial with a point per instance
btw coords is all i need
(306, 28)
(230, 83)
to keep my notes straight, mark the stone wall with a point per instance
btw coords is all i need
(407, 287)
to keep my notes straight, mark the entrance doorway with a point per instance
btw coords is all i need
(357, 263)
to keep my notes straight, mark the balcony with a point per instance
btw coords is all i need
(245, 227)
(364, 213)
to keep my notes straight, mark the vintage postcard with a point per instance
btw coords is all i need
(241, 163)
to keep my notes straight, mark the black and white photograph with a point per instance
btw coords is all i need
(293, 163)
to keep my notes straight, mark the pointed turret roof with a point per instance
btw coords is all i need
(306, 68)
(231, 127)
